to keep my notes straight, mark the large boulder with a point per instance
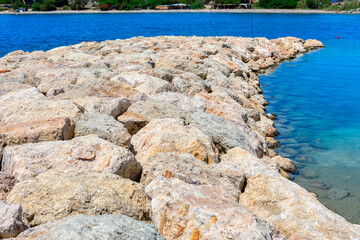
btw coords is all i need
(190, 211)
(105, 127)
(170, 135)
(193, 171)
(107, 227)
(57, 194)
(7, 182)
(227, 134)
(293, 210)
(87, 153)
(11, 221)
(142, 112)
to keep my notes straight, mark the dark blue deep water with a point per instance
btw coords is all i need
(316, 97)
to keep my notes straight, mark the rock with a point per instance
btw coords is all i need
(142, 112)
(86, 153)
(105, 227)
(272, 143)
(187, 168)
(29, 110)
(57, 194)
(11, 222)
(170, 135)
(293, 210)
(310, 174)
(250, 164)
(313, 44)
(105, 127)
(227, 134)
(54, 91)
(337, 194)
(285, 163)
(13, 133)
(189, 211)
(109, 106)
(266, 127)
(189, 84)
(7, 182)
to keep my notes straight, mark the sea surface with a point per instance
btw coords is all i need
(316, 97)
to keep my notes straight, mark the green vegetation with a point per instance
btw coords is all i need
(3, 9)
(18, 4)
(280, 4)
(78, 4)
(144, 4)
(47, 5)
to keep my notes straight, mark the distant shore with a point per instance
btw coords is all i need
(289, 11)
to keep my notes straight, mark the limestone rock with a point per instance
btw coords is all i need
(189, 211)
(11, 222)
(193, 171)
(313, 44)
(170, 135)
(227, 134)
(107, 227)
(142, 112)
(285, 163)
(293, 210)
(189, 84)
(86, 153)
(57, 194)
(7, 182)
(105, 127)
(13, 133)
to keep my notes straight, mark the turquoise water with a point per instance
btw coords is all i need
(316, 96)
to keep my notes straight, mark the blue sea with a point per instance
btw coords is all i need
(316, 96)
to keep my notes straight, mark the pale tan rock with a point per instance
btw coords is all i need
(105, 127)
(189, 211)
(193, 171)
(30, 110)
(11, 220)
(13, 133)
(313, 44)
(293, 210)
(170, 135)
(285, 163)
(142, 112)
(57, 194)
(86, 153)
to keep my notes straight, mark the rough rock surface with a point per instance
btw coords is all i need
(7, 182)
(107, 227)
(57, 194)
(105, 127)
(189, 211)
(87, 153)
(182, 103)
(170, 135)
(11, 222)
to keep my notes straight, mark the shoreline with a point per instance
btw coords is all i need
(269, 11)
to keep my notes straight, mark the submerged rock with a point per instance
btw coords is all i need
(105, 227)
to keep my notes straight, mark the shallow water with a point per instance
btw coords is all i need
(316, 96)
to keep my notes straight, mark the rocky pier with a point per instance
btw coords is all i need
(151, 138)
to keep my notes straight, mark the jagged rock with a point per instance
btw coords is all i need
(105, 127)
(313, 44)
(285, 163)
(57, 194)
(11, 222)
(227, 134)
(142, 112)
(193, 171)
(170, 135)
(189, 84)
(7, 182)
(293, 210)
(86, 153)
(107, 227)
(13, 133)
(189, 211)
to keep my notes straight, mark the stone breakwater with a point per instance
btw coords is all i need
(150, 138)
